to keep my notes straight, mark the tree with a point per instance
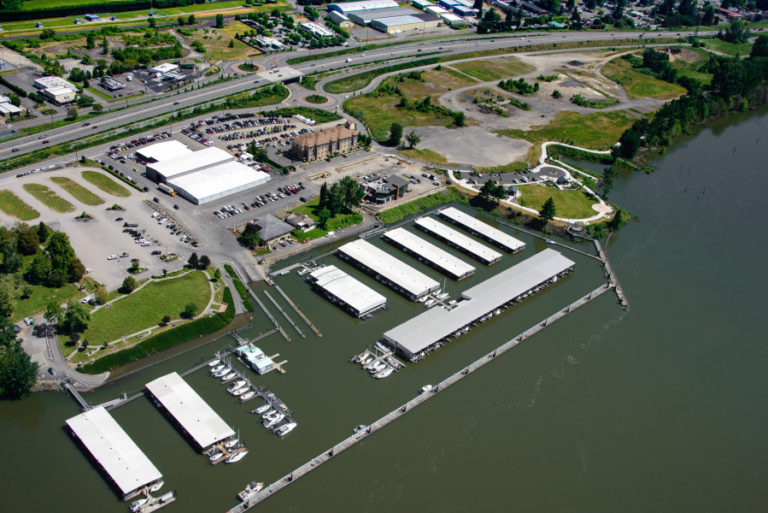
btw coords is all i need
(61, 252)
(487, 188)
(26, 292)
(323, 201)
(219, 21)
(556, 94)
(189, 311)
(217, 274)
(47, 34)
(395, 134)
(231, 43)
(43, 232)
(104, 46)
(12, 260)
(193, 261)
(75, 318)
(17, 372)
(97, 107)
(204, 262)
(760, 48)
(548, 210)
(129, 285)
(412, 138)
(7, 296)
(15, 100)
(71, 114)
(100, 295)
(322, 218)
(39, 269)
(191, 19)
(629, 144)
(352, 192)
(152, 22)
(250, 236)
(165, 320)
(53, 312)
(458, 118)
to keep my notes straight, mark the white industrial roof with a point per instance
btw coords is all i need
(380, 14)
(451, 17)
(190, 410)
(192, 161)
(394, 21)
(381, 262)
(367, 5)
(164, 150)
(349, 290)
(468, 244)
(466, 220)
(55, 91)
(9, 108)
(218, 180)
(317, 29)
(164, 67)
(435, 9)
(113, 449)
(422, 331)
(51, 82)
(440, 258)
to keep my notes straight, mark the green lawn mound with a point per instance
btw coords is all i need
(49, 198)
(569, 204)
(77, 191)
(147, 306)
(12, 205)
(106, 184)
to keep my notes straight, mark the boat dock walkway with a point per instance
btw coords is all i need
(270, 316)
(614, 281)
(298, 312)
(395, 414)
(67, 385)
(280, 309)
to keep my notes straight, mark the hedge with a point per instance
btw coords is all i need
(165, 340)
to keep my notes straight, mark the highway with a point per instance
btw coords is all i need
(444, 46)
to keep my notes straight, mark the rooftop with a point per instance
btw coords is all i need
(272, 227)
(190, 410)
(503, 239)
(394, 21)
(468, 244)
(219, 179)
(349, 290)
(445, 261)
(49, 82)
(186, 162)
(113, 450)
(164, 150)
(346, 7)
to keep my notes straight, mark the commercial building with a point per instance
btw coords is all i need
(436, 10)
(386, 189)
(255, 358)
(300, 221)
(481, 229)
(348, 7)
(458, 240)
(452, 20)
(113, 451)
(56, 89)
(191, 414)
(347, 292)
(438, 258)
(340, 19)
(323, 143)
(421, 4)
(165, 150)
(396, 24)
(419, 334)
(272, 228)
(166, 67)
(401, 277)
(463, 10)
(317, 29)
(7, 108)
(53, 82)
(111, 84)
(367, 16)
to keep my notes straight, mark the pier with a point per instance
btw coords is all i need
(401, 410)
(280, 309)
(67, 385)
(298, 312)
(613, 280)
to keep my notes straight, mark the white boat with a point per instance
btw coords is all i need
(359, 428)
(429, 302)
(285, 429)
(249, 490)
(383, 374)
(137, 504)
(377, 367)
(218, 368)
(228, 377)
(237, 384)
(425, 388)
(221, 373)
(262, 409)
(231, 443)
(214, 363)
(240, 391)
(268, 414)
(365, 361)
(155, 487)
(247, 395)
(215, 456)
(236, 457)
(271, 421)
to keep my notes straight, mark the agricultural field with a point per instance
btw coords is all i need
(79, 192)
(49, 198)
(106, 184)
(14, 206)
(570, 204)
(640, 85)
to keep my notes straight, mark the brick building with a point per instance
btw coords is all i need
(323, 144)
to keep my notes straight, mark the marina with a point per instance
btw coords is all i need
(350, 294)
(378, 360)
(481, 229)
(424, 251)
(458, 240)
(280, 309)
(387, 269)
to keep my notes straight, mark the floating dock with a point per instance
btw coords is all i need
(117, 456)
(458, 240)
(401, 277)
(481, 229)
(426, 252)
(344, 290)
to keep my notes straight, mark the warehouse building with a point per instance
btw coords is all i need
(126, 467)
(387, 269)
(7, 108)
(422, 333)
(350, 294)
(340, 19)
(452, 20)
(397, 24)
(163, 151)
(317, 30)
(463, 10)
(426, 252)
(53, 82)
(436, 10)
(191, 414)
(481, 229)
(323, 143)
(421, 4)
(458, 240)
(348, 7)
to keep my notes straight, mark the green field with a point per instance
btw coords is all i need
(506, 168)
(568, 204)
(12, 205)
(494, 69)
(32, 5)
(378, 114)
(734, 49)
(40, 297)
(79, 192)
(48, 197)
(106, 184)
(425, 155)
(336, 222)
(640, 85)
(147, 306)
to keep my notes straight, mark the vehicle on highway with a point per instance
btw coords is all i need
(86, 124)
(41, 137)
(46, 141)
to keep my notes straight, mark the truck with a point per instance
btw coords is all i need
(167, 189)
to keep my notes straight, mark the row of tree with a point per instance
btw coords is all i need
(340, 198)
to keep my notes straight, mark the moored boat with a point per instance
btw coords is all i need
(384, 373)
(221, 373)
(214, 362)
(231, 443)
(250, 489)
(137, 504)
(155, 487)
(237, 384)
(215, 456)
(240, 391)
(273, 420)
(236, 457)
(268, 414)
(247, 395)
(285, 429)
(218, 368)
(262, 409)
(228, 377)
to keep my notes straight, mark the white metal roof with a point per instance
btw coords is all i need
(192, 161)
(451, 18)
(52, 82)
(349, 290)
(445, 261)
(218, 180)
(435, 9)
(9, 108)
(190, 410)
(381, 262)
(468, 244)
(395, 21)
(422, 331)
(164, 150)
(346, 7)
(164, 67)
(113, 449)
(466, 220)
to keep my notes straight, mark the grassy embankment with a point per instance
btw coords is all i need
(494, 69)
(49, 198)
(106, 184)
(79, 192)
(638, 84)
(417, 206)
(14, 206)
(245, 297)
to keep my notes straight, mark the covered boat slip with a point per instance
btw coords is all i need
(403, 278)
(114, 451)
(434, 325)
(442, 260)
(458, 240)
(189, 411)
(340, 287)
(489, 233)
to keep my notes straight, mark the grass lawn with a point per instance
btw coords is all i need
(338, 221)
(31, 5)
(569, 204)
(216, 43)
(378, 114)
(416, 206)
(146, 307)
(316, 98)
(12, 205)
(78, 191)
(688, 62)
(494, 69)
(106, 184)
(734, 49)
(506, 168)
(40, 297)
(48, 197)
(640, 85)
(596, 131)
(425, 155)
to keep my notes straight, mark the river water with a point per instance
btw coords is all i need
(661, 408)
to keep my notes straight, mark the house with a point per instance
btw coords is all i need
(272, 228)
(300, 221)
(324, 143)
